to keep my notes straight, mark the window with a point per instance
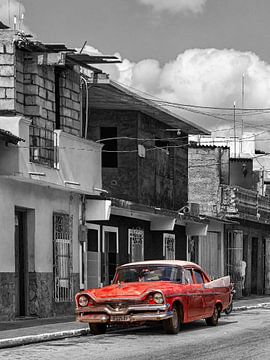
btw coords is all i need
(42, 149)
(136, 244)
(169, 246)
(198, 277)
(188, 276)
(62, 240)
(109, 150)
(148, 273)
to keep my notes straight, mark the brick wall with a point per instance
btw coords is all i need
(7, 71)
(28, 87)
(208, 168)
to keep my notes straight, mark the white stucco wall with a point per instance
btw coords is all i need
(44, 201)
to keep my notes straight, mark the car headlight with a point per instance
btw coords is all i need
(83, 300)
(158, 298)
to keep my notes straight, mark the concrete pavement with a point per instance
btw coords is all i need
(29, 331)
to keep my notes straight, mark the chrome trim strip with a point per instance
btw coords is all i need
(192, 294)
(102, 318)
(107, 309)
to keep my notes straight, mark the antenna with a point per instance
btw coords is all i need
(243, 105)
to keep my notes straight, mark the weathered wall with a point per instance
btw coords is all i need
(121, 182)
(40, 204)
(28, 87)
(163, 172)
(206, 171)
(159, 178)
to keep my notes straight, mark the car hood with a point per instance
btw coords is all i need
(127, 290)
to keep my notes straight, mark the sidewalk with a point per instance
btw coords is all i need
(29, 331)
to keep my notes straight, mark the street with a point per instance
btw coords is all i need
(242, 335)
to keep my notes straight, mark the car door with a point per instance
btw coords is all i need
(198, 301)
(194, 295)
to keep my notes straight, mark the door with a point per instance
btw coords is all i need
(254, 264)
(211, 254)
(21, 266)
(93, 256)
(110, 250)
(195, 298)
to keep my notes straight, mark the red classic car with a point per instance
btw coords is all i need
(170, 291)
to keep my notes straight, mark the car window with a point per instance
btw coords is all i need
(199, 277)
(188, 276)
(148, 273)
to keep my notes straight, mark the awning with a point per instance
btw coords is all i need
(193, 229)
(97, 210)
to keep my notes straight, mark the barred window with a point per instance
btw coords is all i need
(136, 244)
(62, 241)
(42, 148)
(169, 246)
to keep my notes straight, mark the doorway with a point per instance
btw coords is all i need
(254, 264)
(93, 256)
(110, 250)
(21, 265)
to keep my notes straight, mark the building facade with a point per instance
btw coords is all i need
(227, 188)
(145, 174)
(45, 175)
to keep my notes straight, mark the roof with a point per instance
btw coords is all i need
(161, 262)
(71, 56)
(9, 137)
(115, 96)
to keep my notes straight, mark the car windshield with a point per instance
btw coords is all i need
(148, 273)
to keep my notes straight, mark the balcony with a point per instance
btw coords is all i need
(50, 158)
(240, 203)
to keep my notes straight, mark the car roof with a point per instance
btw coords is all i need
(163, 262)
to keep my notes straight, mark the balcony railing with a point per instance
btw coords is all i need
(42, 146)
(237, 202)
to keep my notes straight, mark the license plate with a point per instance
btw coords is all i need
(119, 318)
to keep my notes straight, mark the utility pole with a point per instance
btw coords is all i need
(234, 129)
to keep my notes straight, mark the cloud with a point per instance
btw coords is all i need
(11, 8)
(203, 77)
(176, 6)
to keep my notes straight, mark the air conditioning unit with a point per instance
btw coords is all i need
(194, 209)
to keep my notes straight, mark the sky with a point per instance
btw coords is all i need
(210, 53)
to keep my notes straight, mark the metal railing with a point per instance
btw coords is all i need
(243, 203)
(63, 285)
(42, 146)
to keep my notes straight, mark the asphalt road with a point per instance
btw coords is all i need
(242, 335)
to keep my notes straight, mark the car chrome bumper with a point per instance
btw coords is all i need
(136, 313)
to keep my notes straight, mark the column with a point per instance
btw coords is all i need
(267, 266)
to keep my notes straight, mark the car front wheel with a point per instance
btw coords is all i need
(213, 320)
(98, 329)
(172, 325)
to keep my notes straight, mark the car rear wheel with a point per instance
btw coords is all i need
(97, 329)
(213, 320)
(172, 325)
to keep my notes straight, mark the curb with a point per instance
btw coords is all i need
(33, 339)
(251, 307)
